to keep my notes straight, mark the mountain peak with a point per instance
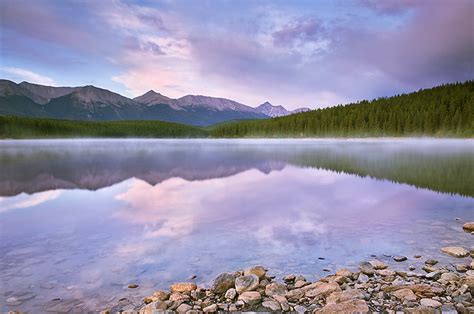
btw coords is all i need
(272, 111)
(152, 98)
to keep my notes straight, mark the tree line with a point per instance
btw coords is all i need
(446, 110)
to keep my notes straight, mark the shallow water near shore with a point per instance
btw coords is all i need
(80, 220)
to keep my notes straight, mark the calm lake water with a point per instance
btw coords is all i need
(82, 219)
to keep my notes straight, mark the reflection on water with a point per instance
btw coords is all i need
(80, 220)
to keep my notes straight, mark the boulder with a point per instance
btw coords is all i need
(321, 289)
(183, 287)
(210, 309)
(419, 289)
(455, 251)
(250, 297)
(357, 306)
(271, 305)
(386, 272)
(344, 272)
(343, 296)
(366, 268)
(258, 271)
(449, 277)
(430, 303)
(183, 308)
(468, 226)
(246, 283)
(223, 282)
(283, 302)
(161, 295)
(153, 307)
(275, 289)
(231, 294)
(377, 265)
(178, 297)
(404, 295)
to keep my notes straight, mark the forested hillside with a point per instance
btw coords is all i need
(16, 127)
(446, 110)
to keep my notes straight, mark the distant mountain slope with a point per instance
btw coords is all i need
(446, 110)
(277, 111)
(95, 104)
(46, 93)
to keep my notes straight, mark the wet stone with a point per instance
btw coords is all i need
(399, 258)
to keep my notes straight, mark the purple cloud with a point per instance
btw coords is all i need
(291, 53)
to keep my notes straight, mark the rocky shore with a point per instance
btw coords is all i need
(373, 287)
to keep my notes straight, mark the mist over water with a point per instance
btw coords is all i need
(82, 219)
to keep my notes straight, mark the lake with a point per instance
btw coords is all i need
(80, 220)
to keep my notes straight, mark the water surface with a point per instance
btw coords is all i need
(82, 219)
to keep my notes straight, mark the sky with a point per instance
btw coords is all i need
(292, 53)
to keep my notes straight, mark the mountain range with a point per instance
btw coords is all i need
(96, 104)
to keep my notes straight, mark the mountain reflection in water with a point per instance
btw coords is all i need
(82, 219)
(35, 166)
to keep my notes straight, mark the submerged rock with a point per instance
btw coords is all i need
(455, 251)
(399, 258)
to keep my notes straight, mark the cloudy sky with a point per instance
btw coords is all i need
(294, 53)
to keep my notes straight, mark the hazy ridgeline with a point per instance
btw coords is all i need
(446, 110)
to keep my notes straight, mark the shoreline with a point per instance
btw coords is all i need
(373, 287)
